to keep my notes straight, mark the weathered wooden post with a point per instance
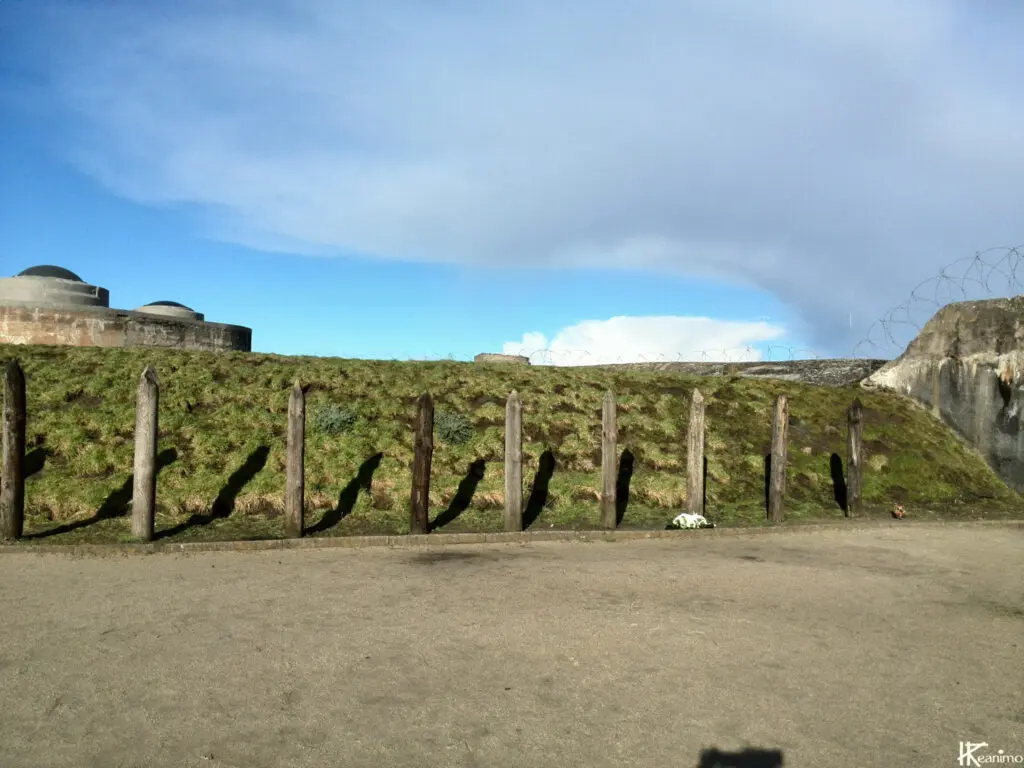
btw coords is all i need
(295, 471)
(609, 462)
(777, 486)
(695, 456)
(12, 477)
(855, 424)
(423, 451)
(514, 463)
(147, 401)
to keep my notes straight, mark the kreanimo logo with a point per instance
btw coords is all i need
(971, 754)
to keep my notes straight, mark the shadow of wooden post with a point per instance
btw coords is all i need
(295, 465)
(609, 462)
(777, 482)
(147, 406)
(514, 463)
(695, 456)
(855, 425)
(12, 474)
(423, 451)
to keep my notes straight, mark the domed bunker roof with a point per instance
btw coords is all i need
(51, 287)
(49, 270)
(170, 309)
(169, 304)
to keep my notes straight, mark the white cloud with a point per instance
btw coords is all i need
(834, 153)
(646, 339)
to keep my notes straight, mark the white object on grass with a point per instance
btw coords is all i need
(688, 520)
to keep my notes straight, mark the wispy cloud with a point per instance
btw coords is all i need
(647, 339)
(833, 153)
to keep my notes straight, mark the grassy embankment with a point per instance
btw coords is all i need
(222, 429)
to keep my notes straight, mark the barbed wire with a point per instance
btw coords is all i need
(991, 273)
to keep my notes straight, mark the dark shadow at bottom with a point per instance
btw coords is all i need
(747, 758)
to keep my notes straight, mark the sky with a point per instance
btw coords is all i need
(585, 181)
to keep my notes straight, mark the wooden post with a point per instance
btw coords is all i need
(695, 456)
(514, 463)
(12, 476)
(147, 401)
(777, 487)
(423, 451)
(295, 471)
(609, 462)
(855, 423)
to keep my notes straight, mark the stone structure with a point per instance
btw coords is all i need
(52, 305)
(967, 367)
(494, 357)
(821, 372)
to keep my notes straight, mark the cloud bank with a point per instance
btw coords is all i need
(832, 153)
(647, 339)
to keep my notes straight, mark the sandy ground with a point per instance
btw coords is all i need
(885, 647)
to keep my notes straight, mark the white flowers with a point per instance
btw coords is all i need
(687, 520)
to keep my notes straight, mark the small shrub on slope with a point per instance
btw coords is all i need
(332, 420)
(453, 428)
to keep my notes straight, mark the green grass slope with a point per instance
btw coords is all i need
(222, 434)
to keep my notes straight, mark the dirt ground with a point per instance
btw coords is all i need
(884, 647)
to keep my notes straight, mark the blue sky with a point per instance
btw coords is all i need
(583, 183)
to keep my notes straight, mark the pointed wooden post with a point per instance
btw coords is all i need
(609, 462)
(514, 463)
(295, 477)
(423, 451)
(777, 486)
(695, 456)
(12, 474)
(147, 406)
(855, 424)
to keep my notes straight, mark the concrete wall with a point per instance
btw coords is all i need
(822, 373)
(494, 357)
(116, 328)
(967, 367)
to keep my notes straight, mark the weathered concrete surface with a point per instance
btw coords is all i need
(170, 310)
(99, 327)
(824, 373)
(27, 291)
(967, 367)
(494, 357)
(850, 648)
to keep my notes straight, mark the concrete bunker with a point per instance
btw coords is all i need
(49, 304)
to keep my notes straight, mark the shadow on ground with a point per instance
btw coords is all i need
(224, 504)
(839, 492)
(622, 481)
(539, 492)
(34, 461)
(115, 505)
(747, 758)
(767, 481)
(463, 496)
(348, 496)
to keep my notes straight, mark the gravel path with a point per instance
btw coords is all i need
(884, 647)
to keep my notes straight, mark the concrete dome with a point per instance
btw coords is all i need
(49, 287)
(49, 270)
(170, 309)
